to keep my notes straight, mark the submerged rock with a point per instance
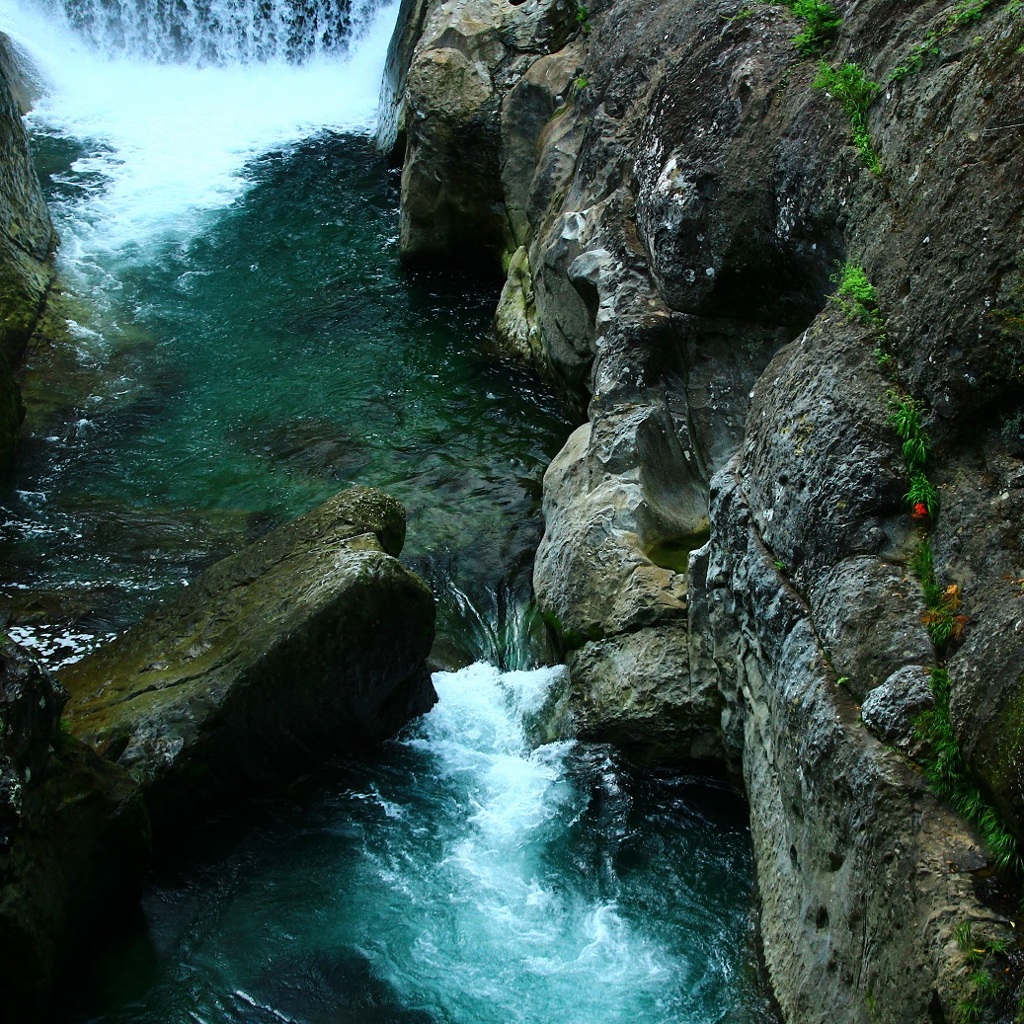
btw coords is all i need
(308, 643)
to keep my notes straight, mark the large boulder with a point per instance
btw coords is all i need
(308, 643)
(74, 840)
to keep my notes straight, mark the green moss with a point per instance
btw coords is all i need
(674, 554)
(569, 639)
(966, 12)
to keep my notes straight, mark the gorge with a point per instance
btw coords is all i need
(769, 257)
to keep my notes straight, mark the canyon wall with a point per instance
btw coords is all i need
(761, 255)
(27, 241)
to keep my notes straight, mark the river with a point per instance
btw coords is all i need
(243, 343)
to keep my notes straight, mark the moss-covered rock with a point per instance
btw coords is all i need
(306, 644)
(27, 241)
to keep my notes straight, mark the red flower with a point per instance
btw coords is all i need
(920, 511)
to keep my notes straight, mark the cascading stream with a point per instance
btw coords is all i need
(244, 345)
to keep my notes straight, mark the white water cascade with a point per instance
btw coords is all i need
(167, 142)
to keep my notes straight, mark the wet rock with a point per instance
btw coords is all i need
(637, 691)
(310, 642)
(467, 54)
(27, 241)
(891, 709)
(74, 840)
(677, 217)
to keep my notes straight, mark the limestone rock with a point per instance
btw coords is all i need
(468, 52)
(681, 212)
(636, 690)
(891, 709)
(308, 643)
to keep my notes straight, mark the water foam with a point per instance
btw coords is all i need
(166, 143)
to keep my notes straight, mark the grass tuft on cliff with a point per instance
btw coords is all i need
(948, 774)
(855, 92)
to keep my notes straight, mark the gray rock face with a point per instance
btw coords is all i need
(308, 643)
(467, 54)
(678, 195)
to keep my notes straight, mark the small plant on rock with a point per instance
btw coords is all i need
(856, 295)
(855, 91)
(821, 25)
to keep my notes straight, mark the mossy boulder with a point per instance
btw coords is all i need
(27, 241)
(306, 644)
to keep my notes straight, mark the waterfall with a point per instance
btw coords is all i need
(167, 103)
(204, 32)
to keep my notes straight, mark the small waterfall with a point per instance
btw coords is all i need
(166, 103)
(213, 32)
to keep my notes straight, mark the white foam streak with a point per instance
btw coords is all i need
(167, 143)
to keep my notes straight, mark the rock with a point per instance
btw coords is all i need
(74, 841)
(27, 241)
(308, 643)
(676, 217)
(637, 691)
(891, 709)
(468, 53)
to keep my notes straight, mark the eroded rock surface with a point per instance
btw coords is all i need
(308, 643)
(74, 840)
(679, 197)
(27, 241)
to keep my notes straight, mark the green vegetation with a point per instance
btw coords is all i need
(856, 295)
(942, 617)
(950, 778)
(583, 18)
(983, 987)
(905, 418)
(849, 85)
(965, 12)
(821, 25)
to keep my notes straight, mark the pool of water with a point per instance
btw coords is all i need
(462, 875)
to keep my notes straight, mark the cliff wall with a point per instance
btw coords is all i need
(27, 241)
(777, 263)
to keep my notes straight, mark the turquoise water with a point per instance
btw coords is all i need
(460, 876)
(242, 344)
(272, 359)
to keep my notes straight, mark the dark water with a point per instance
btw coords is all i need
(239, 352)
(270, 361)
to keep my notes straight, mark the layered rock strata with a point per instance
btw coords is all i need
(729, 556)
(307, 644)
(27, 242)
